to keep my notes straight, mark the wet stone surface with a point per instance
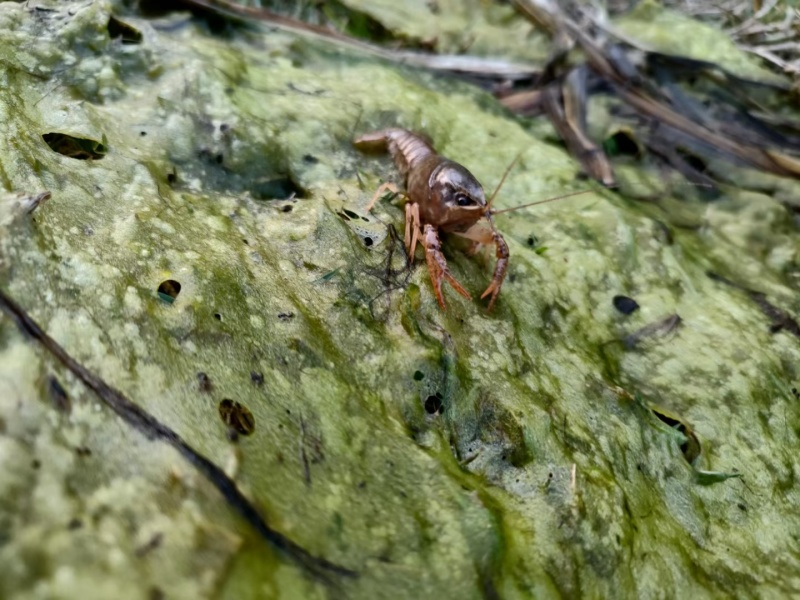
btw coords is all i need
(516, 451)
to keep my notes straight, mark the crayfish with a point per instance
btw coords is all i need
(441, 195)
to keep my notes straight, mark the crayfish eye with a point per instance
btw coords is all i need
(463, 199)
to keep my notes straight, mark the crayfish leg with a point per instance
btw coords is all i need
(437, 265)
(484, 233)
(501, 252)
(382, 189)
(412, 225)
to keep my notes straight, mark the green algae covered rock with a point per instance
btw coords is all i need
(205, 250)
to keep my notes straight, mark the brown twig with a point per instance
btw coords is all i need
(467, 65)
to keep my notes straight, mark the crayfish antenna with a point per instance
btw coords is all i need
(561, 197)
(503, 179)
(570, 194)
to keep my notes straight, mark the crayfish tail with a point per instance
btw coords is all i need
(408, 149)
(375, 142)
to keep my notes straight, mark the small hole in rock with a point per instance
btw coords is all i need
(368, 241)
(168, 290)
(237, 416)
(156, 593)
(257, 378)
(621, 143)
(350, 214)
(58, 395)
(281, 188)
(218, 316)
(310, 159)
(142, 133)
(286, 208)
(433, 405)
(219, 158)
(625, 305)
(204, 382)
(690, 448)
(127, 33)
(419, 375)
(74, 147)
(172, 177)
(694, 161)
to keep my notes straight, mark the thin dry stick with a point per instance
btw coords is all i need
(474, 65)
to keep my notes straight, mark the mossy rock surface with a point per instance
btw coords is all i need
(453, 454)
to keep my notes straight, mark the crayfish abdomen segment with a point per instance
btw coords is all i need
(408, 149)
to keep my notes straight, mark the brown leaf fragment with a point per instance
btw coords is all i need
(781, 320)
(716, 119)
(784, 161)
(658, 328)
(527, 103)
(568, 126)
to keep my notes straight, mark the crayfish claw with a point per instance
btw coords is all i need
(494, 290)
(437, 266)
